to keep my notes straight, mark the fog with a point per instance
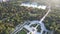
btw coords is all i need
(48, 2)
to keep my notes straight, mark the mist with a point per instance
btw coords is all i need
(48, 2)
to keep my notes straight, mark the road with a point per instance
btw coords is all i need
(21, 26)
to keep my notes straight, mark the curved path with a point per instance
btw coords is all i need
(43, 28)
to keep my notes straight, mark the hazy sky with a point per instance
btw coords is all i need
(48, 1)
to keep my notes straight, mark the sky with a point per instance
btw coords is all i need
(51, 2)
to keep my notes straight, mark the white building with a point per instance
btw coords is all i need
(33, 5)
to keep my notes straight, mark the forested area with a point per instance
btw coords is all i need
(11, 15)
(52, 21)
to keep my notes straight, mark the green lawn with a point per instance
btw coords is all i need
(22, 32)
